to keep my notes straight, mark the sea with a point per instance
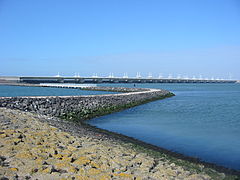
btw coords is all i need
(201, 121)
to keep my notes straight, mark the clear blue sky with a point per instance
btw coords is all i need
(184, 37)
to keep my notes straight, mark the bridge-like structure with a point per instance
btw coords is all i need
(61, 79)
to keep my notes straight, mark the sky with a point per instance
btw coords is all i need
(186, 38)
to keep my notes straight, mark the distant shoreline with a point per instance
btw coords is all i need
(109, 79)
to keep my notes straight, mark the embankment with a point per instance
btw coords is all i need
(31, 148)
(84, 107)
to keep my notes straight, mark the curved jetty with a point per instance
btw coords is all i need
(40, 145)
(84, 107)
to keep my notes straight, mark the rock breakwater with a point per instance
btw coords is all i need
(84, 107)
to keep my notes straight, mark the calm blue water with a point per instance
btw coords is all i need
(13, 91)
(202, 120)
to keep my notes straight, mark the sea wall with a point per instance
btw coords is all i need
(84, 107)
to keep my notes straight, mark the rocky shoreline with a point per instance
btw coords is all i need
(84, 107)
(34, 146)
